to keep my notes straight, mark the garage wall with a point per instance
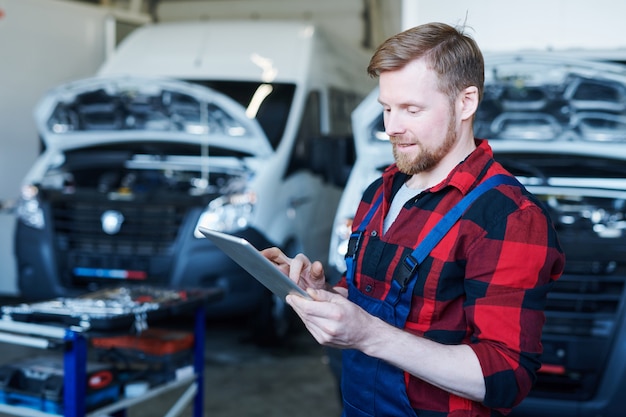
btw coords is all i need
(350, 20)
(506, 25)
(42, 43)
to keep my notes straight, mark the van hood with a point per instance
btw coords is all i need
(106, 110)
(548, 101)
(533, 102)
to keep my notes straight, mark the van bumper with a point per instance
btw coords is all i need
(195, 263)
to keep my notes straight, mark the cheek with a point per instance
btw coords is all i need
(430, 127)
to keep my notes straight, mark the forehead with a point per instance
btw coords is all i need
(415, 81)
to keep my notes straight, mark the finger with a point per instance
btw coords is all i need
(321, 327)
(323, 306)
(301, 306)
(317, 271)
(296, 301)
(276, 256)
(300, 266)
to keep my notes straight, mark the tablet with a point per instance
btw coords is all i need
(257, 265)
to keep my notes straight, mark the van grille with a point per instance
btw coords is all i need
(582, 313)
(146, 229)
(144, 243)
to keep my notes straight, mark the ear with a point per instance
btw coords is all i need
(468, 102)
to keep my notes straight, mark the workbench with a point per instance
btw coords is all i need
(72, 342)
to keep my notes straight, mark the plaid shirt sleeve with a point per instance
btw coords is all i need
(507, 276)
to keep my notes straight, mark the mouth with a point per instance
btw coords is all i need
(404, 145)
(398, 141)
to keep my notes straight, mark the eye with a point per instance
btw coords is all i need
(412, 109)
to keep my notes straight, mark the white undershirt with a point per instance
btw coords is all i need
(403, 195)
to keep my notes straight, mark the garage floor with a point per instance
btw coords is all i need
(243, 379)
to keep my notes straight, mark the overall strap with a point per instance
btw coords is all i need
(412, 261)
(370, 213)
(355, 237)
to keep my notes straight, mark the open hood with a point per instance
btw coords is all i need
(533, 101)
(106, 110)
(545, 98)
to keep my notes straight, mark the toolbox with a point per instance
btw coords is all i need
(155, 355)
(113, 308)
(154, 342)
(37, 383)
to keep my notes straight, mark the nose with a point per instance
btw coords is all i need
(393, 123)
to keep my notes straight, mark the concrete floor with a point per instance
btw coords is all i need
(246, 380)
(243, 379)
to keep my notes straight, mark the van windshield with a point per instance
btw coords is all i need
(269, 103)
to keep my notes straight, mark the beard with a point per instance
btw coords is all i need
(426, 159)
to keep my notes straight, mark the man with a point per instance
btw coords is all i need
(454, 327)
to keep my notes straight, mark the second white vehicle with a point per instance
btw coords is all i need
(559, 125)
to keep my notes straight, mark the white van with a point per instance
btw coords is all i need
(559, 125)
(242, 127)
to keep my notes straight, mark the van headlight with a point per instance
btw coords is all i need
(29, 209)
(228, 213)
(341, 236)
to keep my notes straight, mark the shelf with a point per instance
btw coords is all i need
(125, 403)
(74, 341)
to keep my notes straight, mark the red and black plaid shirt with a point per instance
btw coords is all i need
(483, 285)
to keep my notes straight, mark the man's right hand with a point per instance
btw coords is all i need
(300, 269)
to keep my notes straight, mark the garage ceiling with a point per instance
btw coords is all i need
(363, 22)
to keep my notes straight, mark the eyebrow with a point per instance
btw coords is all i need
(403, 104)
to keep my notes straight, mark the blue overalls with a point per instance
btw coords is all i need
(370, 386)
